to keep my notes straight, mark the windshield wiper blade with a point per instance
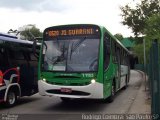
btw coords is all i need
(73, 48)
(60, 57)
(78, 44)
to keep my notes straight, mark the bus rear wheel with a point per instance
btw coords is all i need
(11, 98)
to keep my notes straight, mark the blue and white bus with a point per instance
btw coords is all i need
(18, 69)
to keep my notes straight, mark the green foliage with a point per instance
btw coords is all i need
(119, 36)
(31, 33)
(152, 29)
(143, 20)
(135, 18)
(138, 49)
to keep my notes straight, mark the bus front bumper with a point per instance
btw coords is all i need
(93, 90)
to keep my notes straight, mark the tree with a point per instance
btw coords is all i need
(151, 31)
(30, 32)
(135, 18)
(152, 28)
(119, 36)
(143, 19)
(139, 53)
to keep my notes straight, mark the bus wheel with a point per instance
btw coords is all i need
(64, 99)
(11, 98)
(111, 97)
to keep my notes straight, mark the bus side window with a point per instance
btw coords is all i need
(124, 54)
(114, 51)
(118, 54)
(1, 57)
(121, 54)
(106, 50)
(17, 58)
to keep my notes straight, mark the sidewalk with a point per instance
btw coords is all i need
(142, 102)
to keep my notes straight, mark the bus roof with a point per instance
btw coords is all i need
(12, 38)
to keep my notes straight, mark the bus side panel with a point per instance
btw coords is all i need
(27, 63)
(28, 81)
(109, 76)
(124, 73)
(107, 84)
(109, 67)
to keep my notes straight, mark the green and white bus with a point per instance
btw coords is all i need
(82, 61)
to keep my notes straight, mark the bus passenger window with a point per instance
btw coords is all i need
(1, 58)
(114, 51)
(106, 51)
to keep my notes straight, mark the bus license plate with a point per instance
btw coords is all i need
(66, 90)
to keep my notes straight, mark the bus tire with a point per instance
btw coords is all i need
(11, 98)
(65, 99)
(111, 97)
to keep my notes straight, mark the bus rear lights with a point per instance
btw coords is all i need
(1, 84)
(93, 81)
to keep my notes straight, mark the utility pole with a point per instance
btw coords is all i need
(144, 53)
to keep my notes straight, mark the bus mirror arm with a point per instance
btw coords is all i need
(34, 48)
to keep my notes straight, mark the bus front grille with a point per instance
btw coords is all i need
(74, 92)
(69, 84)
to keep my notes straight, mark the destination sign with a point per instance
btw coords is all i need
(71, 31)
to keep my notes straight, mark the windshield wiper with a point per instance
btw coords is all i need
(60, 57)
(73, 48)
(78, 44)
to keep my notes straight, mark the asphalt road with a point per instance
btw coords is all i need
(39, 107)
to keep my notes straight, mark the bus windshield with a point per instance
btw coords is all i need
(71, 55)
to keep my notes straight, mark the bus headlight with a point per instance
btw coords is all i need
(44, 79)
(93, 81)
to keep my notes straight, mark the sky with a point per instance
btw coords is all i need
(46, 13)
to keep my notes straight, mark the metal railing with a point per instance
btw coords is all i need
(154, 77)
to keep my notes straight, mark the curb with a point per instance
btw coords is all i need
(140, 105)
